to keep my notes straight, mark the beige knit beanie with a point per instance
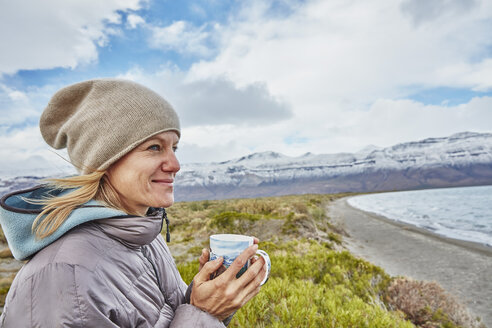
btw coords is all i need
(99, 121)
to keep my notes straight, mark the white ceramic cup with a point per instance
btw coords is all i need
(229, 246)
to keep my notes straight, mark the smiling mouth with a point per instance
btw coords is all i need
(164, 181)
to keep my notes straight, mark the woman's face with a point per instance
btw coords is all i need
(144, 177)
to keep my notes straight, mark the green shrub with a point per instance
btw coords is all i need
(188, 271)
(287, 302)
(335, 238)
(313, 286)
(290, 225)
(233, 222)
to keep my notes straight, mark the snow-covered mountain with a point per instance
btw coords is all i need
(461, 159)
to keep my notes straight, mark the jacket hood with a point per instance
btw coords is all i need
(17, 217)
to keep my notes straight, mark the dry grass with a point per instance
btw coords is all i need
(5, 252)
(3, 240)
(428, 305)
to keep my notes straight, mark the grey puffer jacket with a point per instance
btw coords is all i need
(111, 272)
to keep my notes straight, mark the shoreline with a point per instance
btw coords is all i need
(462, 268)
(474, 246)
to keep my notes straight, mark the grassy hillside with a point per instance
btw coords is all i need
(314, 281)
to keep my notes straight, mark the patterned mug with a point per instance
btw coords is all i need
(229, 246)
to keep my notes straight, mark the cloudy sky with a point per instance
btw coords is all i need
(319, 76)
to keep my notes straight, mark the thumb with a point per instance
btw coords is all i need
(207, 270)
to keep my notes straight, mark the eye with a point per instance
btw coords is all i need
(175, 148)
(154, 147)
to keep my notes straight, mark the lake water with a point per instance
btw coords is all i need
(460, 213)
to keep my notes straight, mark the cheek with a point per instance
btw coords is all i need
(124, 180)
(133, 177)
(138, 182)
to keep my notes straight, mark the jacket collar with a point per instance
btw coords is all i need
(133, 232)
(17, 216)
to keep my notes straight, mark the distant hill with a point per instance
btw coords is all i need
(462, 159)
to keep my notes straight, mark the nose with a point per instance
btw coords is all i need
(171, 163)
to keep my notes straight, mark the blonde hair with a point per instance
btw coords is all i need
(86, 187)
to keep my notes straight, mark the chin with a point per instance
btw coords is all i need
(167, 202)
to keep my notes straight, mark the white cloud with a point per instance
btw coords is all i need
(24, 152)
(215, 101)
(477, 75)
(357, 51)
(23, 149)
(55, 33)
(219, 101)
(422, 11)
(15, 107)
(182, 37)
(23, 108)
(391, 121)
(132, 21)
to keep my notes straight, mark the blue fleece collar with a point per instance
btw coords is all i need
(17, 217)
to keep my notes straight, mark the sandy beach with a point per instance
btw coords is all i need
(462, 268)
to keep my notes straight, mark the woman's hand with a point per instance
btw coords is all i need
(225, 294)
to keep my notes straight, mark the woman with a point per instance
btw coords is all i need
(96, 255)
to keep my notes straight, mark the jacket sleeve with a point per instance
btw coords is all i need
(187, 315)
(58, 296)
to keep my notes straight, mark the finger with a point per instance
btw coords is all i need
(203, 258)
(252, 273)
(255, 240)
(253, 288)
(254, 259)
(207, 269)
(239, 262)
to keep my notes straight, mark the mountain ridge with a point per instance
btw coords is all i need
(461, 159)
